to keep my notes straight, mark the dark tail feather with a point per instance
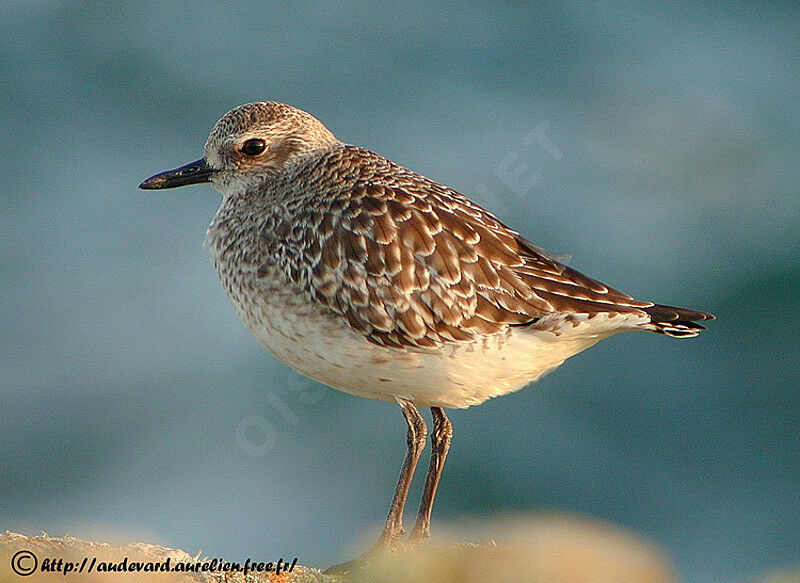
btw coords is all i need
(676, 322)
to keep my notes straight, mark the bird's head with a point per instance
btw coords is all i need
(248, 144)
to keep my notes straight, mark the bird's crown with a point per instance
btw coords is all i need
(265, 136)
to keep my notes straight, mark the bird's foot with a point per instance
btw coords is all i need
(419, 535)
(389, 542)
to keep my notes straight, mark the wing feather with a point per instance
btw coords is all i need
(412, 263)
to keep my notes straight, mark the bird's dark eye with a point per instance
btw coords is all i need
(254, 147)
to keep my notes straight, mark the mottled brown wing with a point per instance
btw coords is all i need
(409, 262)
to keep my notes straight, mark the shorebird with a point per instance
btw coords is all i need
(381, 283)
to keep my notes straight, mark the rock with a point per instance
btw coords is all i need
(68, 553)
(550, 549)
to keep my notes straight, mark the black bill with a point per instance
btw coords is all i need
(195, 173)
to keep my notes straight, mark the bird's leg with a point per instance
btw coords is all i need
(415, 440)
(440, 444)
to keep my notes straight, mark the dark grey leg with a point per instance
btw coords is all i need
(440, 444)
(415, 440)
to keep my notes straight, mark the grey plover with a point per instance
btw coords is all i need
(379, 282)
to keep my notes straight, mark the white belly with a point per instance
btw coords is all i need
(458, 375)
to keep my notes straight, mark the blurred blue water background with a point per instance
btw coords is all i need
(655, 144)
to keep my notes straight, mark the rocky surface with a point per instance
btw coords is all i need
(554, 549)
